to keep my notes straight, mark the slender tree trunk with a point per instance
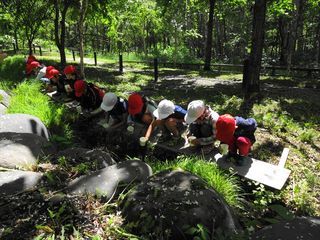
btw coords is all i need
(318, 42)
(284, 40)
(83, 10)
(300, 23)
(60, 25)
(251, 81)
(16, 43)
(293, 32)
(208, 53)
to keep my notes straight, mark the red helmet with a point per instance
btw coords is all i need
(32, 66)
(79, 87)
(135, 103)
(225, 127)
(49, 68)
(70, 69)
(53, 72)
(30, 59)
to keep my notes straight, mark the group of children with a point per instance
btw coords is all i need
(205, 126)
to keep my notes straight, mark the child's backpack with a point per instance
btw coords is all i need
(246, 128)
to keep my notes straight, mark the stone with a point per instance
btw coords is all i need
(78, 155)
(22, 150)
(173, 204)
(5, 98)
(23, 123)
(106, 181)
(3, 109)
(307, 228)
(15, 181)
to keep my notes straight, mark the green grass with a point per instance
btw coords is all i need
(27, 98)
(11, 71)
(225, 184)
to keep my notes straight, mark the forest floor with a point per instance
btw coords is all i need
(92, 217)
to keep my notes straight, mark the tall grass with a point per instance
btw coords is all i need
(225, 184)
(11, 71)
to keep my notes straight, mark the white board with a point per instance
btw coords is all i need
(262, 172)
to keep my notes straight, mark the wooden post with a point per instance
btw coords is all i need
(73, 55)
(156, 73)
(40, 50)
(95, 58)
(120, 64)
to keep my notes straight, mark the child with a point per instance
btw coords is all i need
(170, 116)
(71, 74)
(238, 133)
(115, 107)
(89, 95)
(32, 68)
(140, 109)
(202, 120)
(56, 79)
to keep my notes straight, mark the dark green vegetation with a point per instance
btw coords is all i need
(287, 112)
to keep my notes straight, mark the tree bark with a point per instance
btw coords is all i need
(252, 79)
(60, 38)
(208, 53)
(83, 10)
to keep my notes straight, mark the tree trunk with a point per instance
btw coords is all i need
(208, 53)
(284, 40)
(60, 38)
(300, 21)
(83, 9)
(252, 79)
(293, 31)
(16, 43)
(30, 47)
(318, 41)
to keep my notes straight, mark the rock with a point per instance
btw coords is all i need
(22, 149)
(172, 204)
(78, 155)
(12, 182)
(3, 109)
(23, 123)
(4, 98)
(307, 228)
(105, 182)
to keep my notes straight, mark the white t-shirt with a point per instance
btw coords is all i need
(41, 73)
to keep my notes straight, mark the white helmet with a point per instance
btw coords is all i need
(165, 108)
(195, 110)
(109, 101)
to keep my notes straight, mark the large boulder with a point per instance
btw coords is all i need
(105, 182)
(22, 149)
(306, 228)
(177, 205)
(12, 182)
(23, 123)
(98, 158)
